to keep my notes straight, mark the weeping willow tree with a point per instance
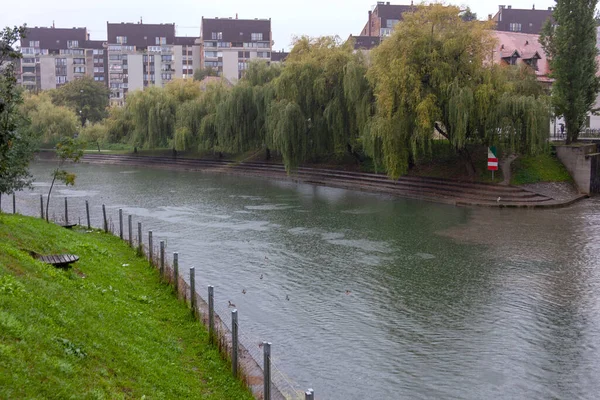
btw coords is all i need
(432, 78)
(310, 93)
(152, 113)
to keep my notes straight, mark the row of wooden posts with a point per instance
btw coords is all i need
(309, 394)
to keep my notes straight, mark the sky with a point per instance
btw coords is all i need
(288, 19)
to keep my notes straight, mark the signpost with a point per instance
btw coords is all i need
(492, 160)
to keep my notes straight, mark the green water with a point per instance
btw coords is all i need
(443, 302)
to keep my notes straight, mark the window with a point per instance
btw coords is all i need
(99, 60)
(390, 23)
(98, 52)
(122, 39)
(256, 36)
(514, 27)
(263, 54)
(160, 40)
(114, 57)
(61, 79)
(146, 59)
(99, 78)
(72, 43)
(154, 49)
(28, 50)
(34, 43)
(223, 44)
(210, 44)
(114, 48)
(60, 61)
(383, 32)
(166, 77)
(28, 60)
(29, 79)
(213, 64)
(242, 66)
(79, 61)
(99, 70)
(217, 36)
(211, 54)
(166, 58)
(29, 70)
(532, 62)
(79, 70)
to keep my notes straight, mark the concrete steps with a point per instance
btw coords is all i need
(431, 189)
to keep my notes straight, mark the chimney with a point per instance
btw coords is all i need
(509, 7)
(52, 24)
(533, 8)
(88, 36)
(489, 17)
(369, 23)
(236, 16)
(501, 7)
(549, 8)
(141, 20)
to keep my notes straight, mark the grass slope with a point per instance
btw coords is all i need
(106, 329)
(540, 168)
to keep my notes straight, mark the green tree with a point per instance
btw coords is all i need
(467, 15)
(67, 150)
(87, 98)
(49, 123)
(432, 75)
(571, 48)
(202, 73)
(15, 146)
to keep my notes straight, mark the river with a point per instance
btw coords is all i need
(372, 297)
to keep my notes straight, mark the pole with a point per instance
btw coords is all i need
(14, 204)
(42, 206)
(105, 221)
(162, 258)
(66, 212)
(150, 246)
(234, 343)
(176, 272)
(130, 230)
(211, 313)
(87, 213)
(492, 175)
(193, 289)
(140, 246)
(267, 370)
(121, 223)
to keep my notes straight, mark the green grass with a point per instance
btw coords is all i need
(540, 168)
(105, 329)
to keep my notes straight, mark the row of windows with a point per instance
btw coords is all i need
(28, 70)
(99, 78)
(213, 54)
(213, 64)
(98, 52)
(33, 50)
(61, 79)
(99, 70)
(29, 79)
(514, 27)
(79, 61)
(76, 52)
(79, 70)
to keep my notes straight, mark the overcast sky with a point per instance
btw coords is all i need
(307, 17)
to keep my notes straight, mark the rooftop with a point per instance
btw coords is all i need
(139, 34)
(235, 30)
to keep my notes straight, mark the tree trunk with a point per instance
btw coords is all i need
(268, 154)
(468, 161)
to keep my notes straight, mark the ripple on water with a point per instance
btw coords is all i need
(363, 244)
(270, 207)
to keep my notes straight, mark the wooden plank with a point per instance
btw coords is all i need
(59, 259)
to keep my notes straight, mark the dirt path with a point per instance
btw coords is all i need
(506, 171)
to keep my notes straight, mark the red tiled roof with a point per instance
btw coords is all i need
(526, 45)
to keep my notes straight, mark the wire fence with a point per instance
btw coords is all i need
(251, 353)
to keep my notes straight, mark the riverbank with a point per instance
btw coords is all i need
(432, 189)
(107, 328)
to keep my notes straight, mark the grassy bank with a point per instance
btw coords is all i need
(540, 168)
(105, 329)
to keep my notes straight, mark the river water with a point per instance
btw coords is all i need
(443, 302)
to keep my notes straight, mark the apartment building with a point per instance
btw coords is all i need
(229, 44)
(382, 19)
(52, 57)
(142, 55)
(510, 19)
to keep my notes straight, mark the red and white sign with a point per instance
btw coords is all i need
(492, 159)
